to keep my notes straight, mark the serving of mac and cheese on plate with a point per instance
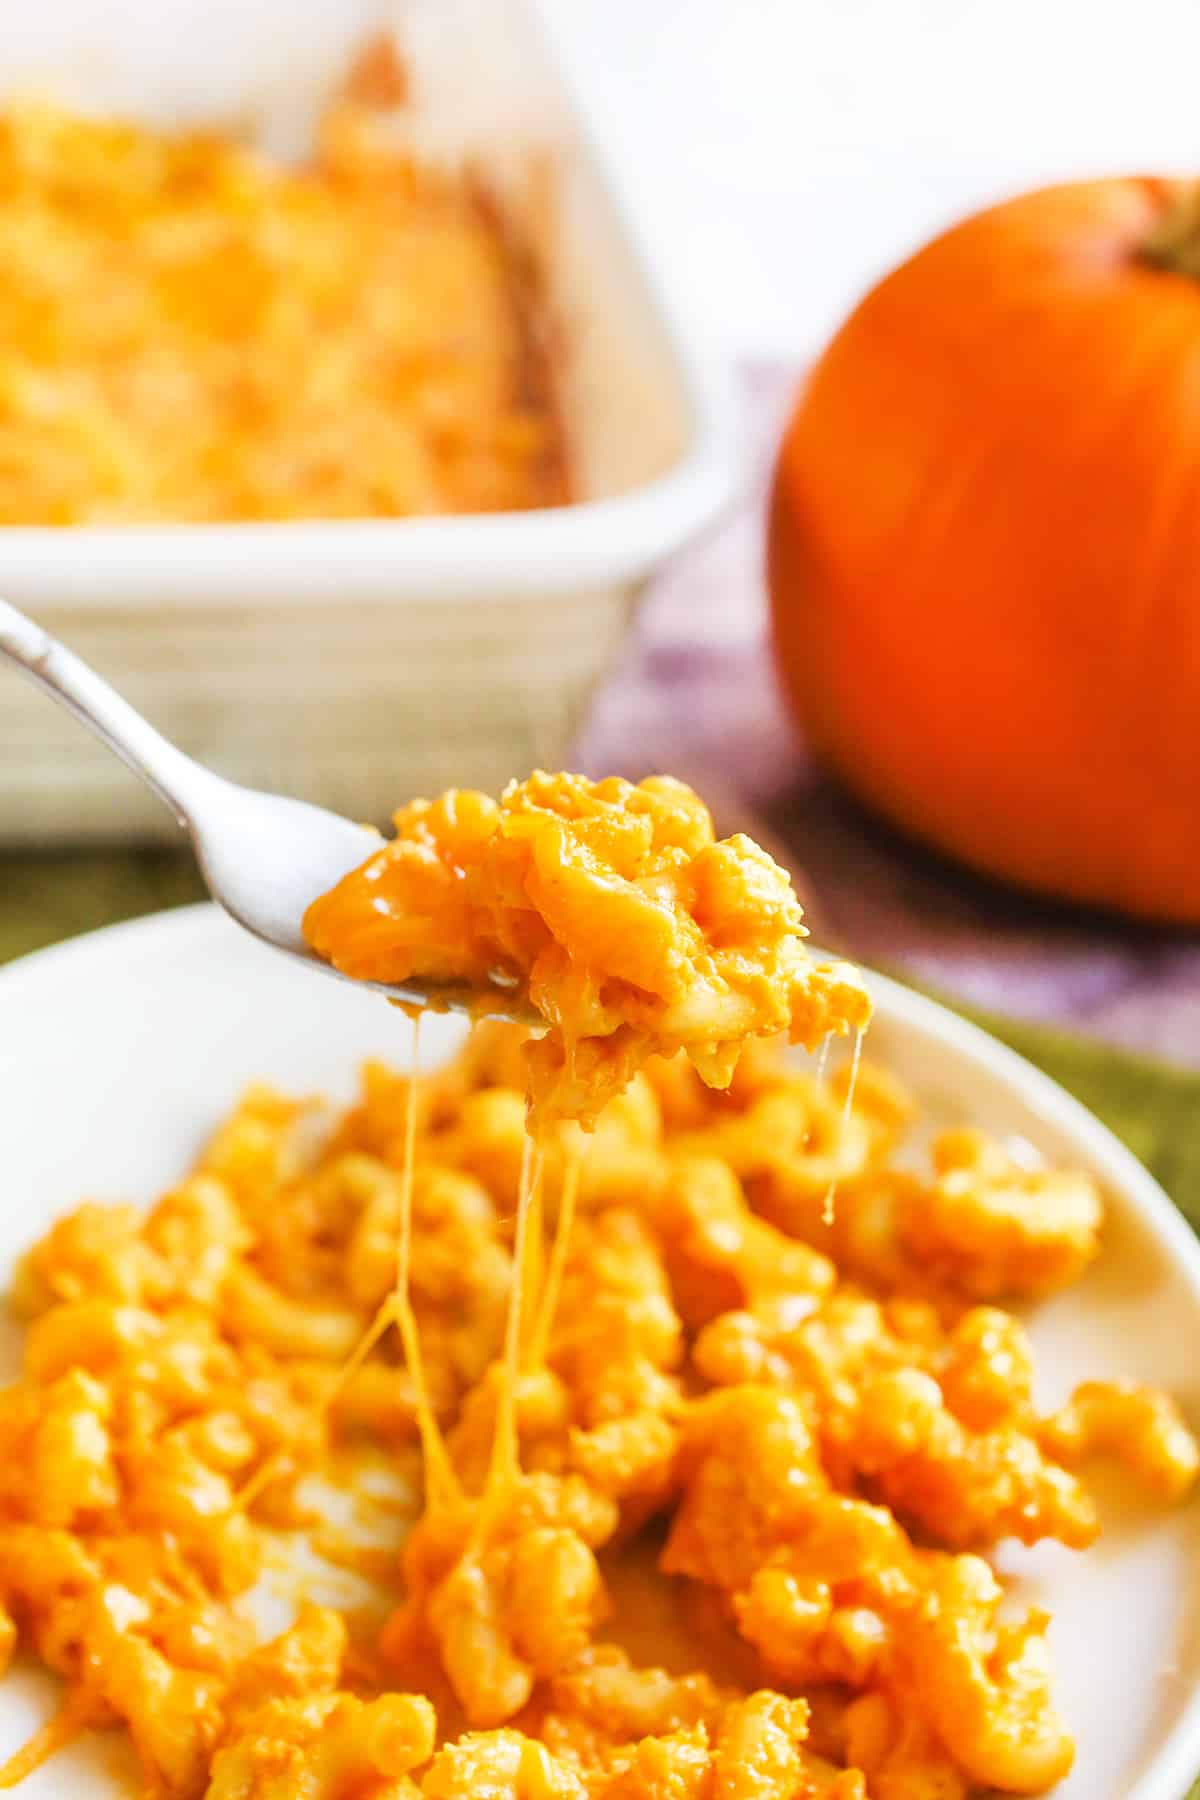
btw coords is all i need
(732, 1438)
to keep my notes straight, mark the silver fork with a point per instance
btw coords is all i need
(263, 857)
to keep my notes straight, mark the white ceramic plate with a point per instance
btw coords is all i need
(119, 1051)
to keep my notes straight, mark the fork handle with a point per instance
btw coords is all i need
(60, 673)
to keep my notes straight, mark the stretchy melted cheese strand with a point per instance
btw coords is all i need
(505, 1464)
(529, 1272)
(556, 1267)
(819, 1078)
(827, 1205)
(61, 1728)
(441, 1483)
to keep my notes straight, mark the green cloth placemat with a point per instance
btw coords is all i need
(47, 897)
(1152, 1107)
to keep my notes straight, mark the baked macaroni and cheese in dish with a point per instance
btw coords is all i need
(650, 1475)
(192, 331)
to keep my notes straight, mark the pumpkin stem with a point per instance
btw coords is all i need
(1174, 243)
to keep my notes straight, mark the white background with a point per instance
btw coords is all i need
(786, 152)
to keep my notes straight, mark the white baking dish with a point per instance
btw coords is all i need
(358, 663)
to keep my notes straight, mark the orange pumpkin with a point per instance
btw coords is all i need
(984, 554)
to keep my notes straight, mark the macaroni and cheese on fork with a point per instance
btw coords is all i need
(612, 909)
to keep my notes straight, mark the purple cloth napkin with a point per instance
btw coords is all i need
(695, 694)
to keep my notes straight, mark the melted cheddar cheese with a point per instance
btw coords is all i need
(609, 909)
